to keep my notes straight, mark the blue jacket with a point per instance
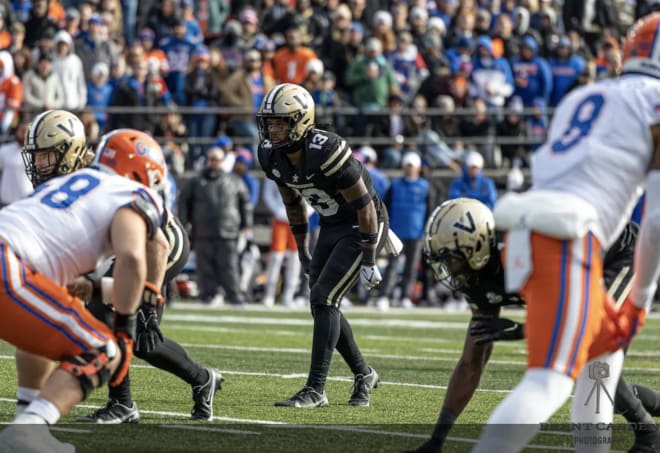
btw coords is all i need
(380, 180)
(564, 74)
(535, 75)
(407, 205)
(252, 184)
(482, 188)
(100, 97)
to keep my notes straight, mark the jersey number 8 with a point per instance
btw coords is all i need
(582, 121)
(66, 194)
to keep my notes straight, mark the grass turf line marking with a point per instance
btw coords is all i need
(212, 430)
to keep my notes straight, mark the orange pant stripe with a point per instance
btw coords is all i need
(45, 320)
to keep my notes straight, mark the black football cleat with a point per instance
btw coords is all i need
(647, 439)
(307, 397)
(203, 396)
(362, 387)
(113, 413)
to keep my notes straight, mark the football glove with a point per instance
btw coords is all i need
(370, 276)
(493, 328)
(148, 330)
(305, 260)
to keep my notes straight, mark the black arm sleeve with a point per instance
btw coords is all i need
(179, 248)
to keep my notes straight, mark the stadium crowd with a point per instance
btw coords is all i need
(442, 80)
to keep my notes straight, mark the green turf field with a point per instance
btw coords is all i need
(264, 356)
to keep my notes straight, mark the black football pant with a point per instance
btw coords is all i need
(334, 270)
(168, 356)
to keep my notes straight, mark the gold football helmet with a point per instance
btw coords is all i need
(457, 240)
(54, 145)
(294, 105)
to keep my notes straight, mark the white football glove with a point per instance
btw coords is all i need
(370, 276)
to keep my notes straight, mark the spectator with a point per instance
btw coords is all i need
(38, 23)
(533, 78)
(179, 50)
(409, 67)
(505, 42)
(381, 29)
(69, 69)
(212, 14)
(242, 165)
(92, 129)
(72, 22)
(22, 62)
(202, 90)
(461, 52)
(313, 75)
(608, 61)
(336, 51)
(99, 94)
(118, 72)
(512, 128)
(153, 55)
(42, 88)
(141, 89)
(230, 45)
(273, 18)
(266, 48)
(282, 245)
(245, 89)
(491, 78)
(566, 67)
(113, 9)
(216, 207)
(537, 125)
(17, 37)
(226, 144)
(173, 131)
(250, 21)
(370, 160)
(407, 202)
(432, 148)
(45, 45)
(93, 48)
(14, 182)
(162, 18)
(371, 81)
(5, 35)
(290, 62)
(479, 125)
(473, 184)
(393, 124)
(326, 97)
(193, 29)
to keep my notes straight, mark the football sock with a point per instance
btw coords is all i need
(38, 412)
(171, 357)
(122, 392)
(24, 396)
(324, 341)
(349, 349)
(273, 273)
(649, 398)
(593, 403)
(516, 420)
(291, 276)
(630, 406)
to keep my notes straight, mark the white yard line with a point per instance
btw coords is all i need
(211, 429)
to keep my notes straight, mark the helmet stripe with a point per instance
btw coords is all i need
(271, 98)
(32, 136)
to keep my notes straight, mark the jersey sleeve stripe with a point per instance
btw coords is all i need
(341, 162)
(338, 154)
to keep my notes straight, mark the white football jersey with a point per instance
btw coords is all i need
(63, 229)
(599, 147)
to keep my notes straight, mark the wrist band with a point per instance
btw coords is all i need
(299, 228)
(361, 202)
(368, 256)
(368, 238)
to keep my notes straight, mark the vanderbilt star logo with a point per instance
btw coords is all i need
(295, 178)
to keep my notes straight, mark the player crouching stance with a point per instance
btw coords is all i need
(463, 250)
(63, 230)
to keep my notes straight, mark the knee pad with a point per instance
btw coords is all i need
(102, 312)
(85, 366)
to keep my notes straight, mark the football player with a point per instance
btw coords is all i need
(602, 149)
(316, 165)
(63, 230)
(462, 248)
(151, 346)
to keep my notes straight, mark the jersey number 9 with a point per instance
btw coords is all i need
(583, 119)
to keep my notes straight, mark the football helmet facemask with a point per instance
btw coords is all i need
(294, 107)
(54, 145)
(134, 155)
(457, 240)
(641, 49)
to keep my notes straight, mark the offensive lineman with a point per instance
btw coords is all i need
(63, 230)
(47, 131)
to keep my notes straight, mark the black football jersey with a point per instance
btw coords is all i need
(486, 290)
(326, 167)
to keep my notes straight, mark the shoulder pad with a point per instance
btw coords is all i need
(333, 151)
(149, 209)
